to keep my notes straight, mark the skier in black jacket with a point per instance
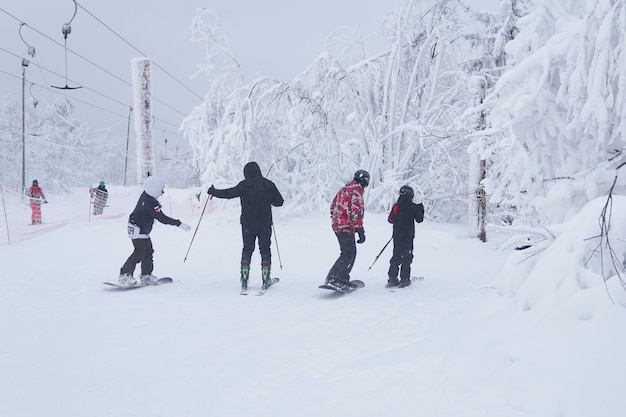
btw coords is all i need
(140, 224)
(258, 195)
(403, 216)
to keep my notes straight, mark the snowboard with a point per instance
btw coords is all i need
(262, 292)
(358, 283)
(397, 287)
(118, 286)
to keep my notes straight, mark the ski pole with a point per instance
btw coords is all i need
(196, 231)
(280, 262)
(381, 252)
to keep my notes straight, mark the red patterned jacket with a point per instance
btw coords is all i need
(347, 208)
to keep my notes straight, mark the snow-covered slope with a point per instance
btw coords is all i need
(446, 346)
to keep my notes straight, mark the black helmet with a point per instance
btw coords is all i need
(35, 183)
(406, 190)
(362, 177)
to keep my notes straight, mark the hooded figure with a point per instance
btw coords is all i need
(403, 216)
(140, 224)
(258, 195)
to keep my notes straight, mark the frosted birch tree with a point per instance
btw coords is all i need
(396, 115)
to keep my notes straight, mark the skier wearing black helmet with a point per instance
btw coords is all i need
(346, 212)
(403, 216)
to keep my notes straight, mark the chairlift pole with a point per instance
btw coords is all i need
(24, 65)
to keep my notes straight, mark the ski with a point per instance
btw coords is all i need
(356, 285)
(117, 286)
(272, 282)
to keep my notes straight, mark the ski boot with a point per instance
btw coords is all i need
(127, 280)
(338, 285)
(245, 274)
(149, 279)
(265, 275)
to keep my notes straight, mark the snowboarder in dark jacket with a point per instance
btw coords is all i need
(258, 195)
(140, 224)
(403, 216)
(346, 212)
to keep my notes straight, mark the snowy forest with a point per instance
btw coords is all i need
(493, 117)
(510, 126)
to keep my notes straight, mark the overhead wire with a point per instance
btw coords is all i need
(100, 67)
(143, 54)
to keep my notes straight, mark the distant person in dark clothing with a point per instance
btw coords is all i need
(100, 196)
(37, 197)
(346, 212)
(403, 216)
(258, 195)
(140, 224)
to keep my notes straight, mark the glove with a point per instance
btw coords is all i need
(361, 233)
(184, 226)
(211, 190)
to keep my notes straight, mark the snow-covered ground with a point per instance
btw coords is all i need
(450, 345)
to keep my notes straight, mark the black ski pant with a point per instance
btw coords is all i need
(340, 271)
(142, 253)
(252, 234)
(402, 257)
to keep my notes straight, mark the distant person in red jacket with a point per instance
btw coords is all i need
(403, 216)
(36, 199)
(346, 212)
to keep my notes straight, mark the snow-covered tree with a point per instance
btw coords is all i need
(395, 114)
(559, 112)
(61, 150)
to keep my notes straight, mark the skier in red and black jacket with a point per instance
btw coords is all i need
(403, 216)
(36, 198)
(346, 212)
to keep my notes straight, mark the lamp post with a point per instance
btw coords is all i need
(24, 66)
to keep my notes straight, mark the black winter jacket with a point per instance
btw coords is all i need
(146, 211)
(403, 215)
(258, 195)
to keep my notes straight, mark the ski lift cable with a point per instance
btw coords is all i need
(168, 123)
(89, 61)
(154, 120)
(74, 98)
(132, 46)
(47, 88)
(10, 75)
(103, 69)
